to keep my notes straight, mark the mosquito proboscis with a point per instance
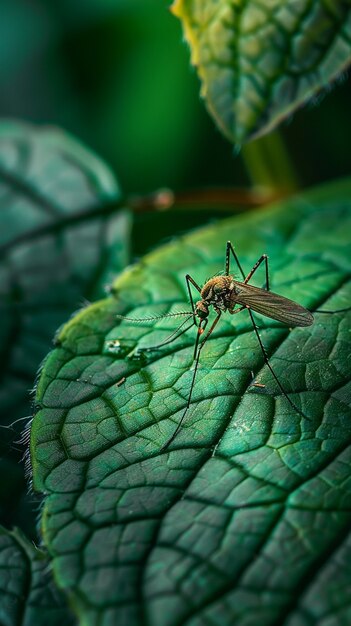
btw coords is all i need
(226, 295)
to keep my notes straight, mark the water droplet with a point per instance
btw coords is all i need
(112, 346)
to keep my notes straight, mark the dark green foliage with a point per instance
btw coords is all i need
(28, 595)
(62, 241)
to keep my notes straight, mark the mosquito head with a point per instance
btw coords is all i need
(201, 309)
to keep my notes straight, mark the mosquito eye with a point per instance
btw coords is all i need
(201, 310)
(202, 314)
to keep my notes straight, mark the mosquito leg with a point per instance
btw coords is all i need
(189, 280)
(230, 249)
(179, 425)
(241, 308)
(201, 328)
(266, 360)
(263, 258)
(172, 337)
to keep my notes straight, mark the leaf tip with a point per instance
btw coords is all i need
(176, 8)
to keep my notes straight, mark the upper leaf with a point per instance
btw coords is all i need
(259, 60)
(245, 518)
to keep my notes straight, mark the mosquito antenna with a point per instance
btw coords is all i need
(154, 317)
(266, 360)
(174, 335)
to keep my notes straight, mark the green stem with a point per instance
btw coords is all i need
(269, 165)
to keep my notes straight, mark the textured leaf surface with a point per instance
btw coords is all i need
(259, 60)
(28, 595)
(56, 239)
(245, 519)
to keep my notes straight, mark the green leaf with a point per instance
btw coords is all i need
(61, 242)
(245, 518)
(28, 595)
(258, 61)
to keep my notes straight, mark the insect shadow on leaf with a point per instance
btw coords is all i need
(226, 295)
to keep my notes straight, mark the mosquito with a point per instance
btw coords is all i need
(224, 294)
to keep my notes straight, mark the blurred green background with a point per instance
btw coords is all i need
(116, 74)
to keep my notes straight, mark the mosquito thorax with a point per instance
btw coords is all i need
(218, 292)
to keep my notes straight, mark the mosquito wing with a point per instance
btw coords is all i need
(273, 306)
